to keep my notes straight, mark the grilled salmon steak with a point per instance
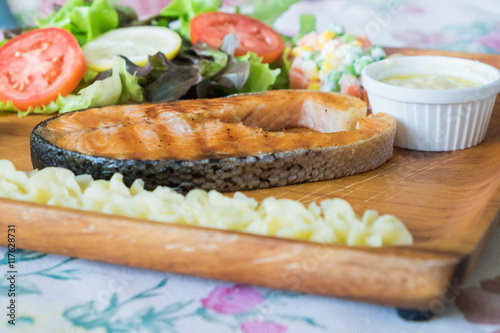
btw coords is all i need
(240, 142)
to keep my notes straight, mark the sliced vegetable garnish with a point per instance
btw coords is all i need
(254, 36)
(135, 43)
(38, 66)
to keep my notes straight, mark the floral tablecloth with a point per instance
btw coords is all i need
(60, 294)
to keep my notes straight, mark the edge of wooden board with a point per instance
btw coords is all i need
(407, 276)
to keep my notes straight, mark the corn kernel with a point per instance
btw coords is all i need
(314, 86)
(299, 49)
(327, 65)
(325, 37)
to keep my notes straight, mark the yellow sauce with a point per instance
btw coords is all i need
(432, 81)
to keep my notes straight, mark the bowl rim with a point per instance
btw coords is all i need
(429, 96)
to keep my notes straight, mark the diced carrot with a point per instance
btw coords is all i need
(365, 42)
(353, 91)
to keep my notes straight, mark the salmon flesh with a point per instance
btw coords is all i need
(241, 142)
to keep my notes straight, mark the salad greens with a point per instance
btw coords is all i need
(198, 71)
(85, 20)
(307, 25)
(120, 87)
(218, 79)
(184, 11)
(262, 76)
(241, 74)
(268, 11)
(282, 80)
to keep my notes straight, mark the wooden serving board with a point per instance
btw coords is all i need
(450, 201)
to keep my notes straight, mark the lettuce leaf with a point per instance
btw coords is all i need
(53, 107)
(283, 79)
(168, 81)
(268, 11)
(8, 106)
(307, 25)
(240, 74)
(185, 10)
(119, 88)
(225, 71)
(85, 20)
(261, 76)
(198, 73)
(211, 61)
(202, 71)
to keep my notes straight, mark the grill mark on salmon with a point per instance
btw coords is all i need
(277, 137)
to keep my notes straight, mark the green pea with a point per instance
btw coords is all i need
(348, 38)
(348, 69)
(333, 76)
(337, 29)
(330, 86)
(353, 53)
(361, 63)
(320, 63)
(377, 53)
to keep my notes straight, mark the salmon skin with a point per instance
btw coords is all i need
(241, 142)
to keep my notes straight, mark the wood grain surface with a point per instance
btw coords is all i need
(450, 201)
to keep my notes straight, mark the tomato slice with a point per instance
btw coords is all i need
(254, 36)
(37, 66)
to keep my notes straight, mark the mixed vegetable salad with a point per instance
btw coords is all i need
(90, 54)
(332, 61)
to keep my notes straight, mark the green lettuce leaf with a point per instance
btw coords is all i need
(85, 20)
(203, 71)
(307, 25)
(119, 88)
(244, 74)
(268, 11)
(61, 17)
(126, 16)
(225, 71)
(8, 106)
(283, 79)
(211, 61)
(261, 76)
(53, 107)
(185, 10)
(168, 81)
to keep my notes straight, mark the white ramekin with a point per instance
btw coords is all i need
(434, 120)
